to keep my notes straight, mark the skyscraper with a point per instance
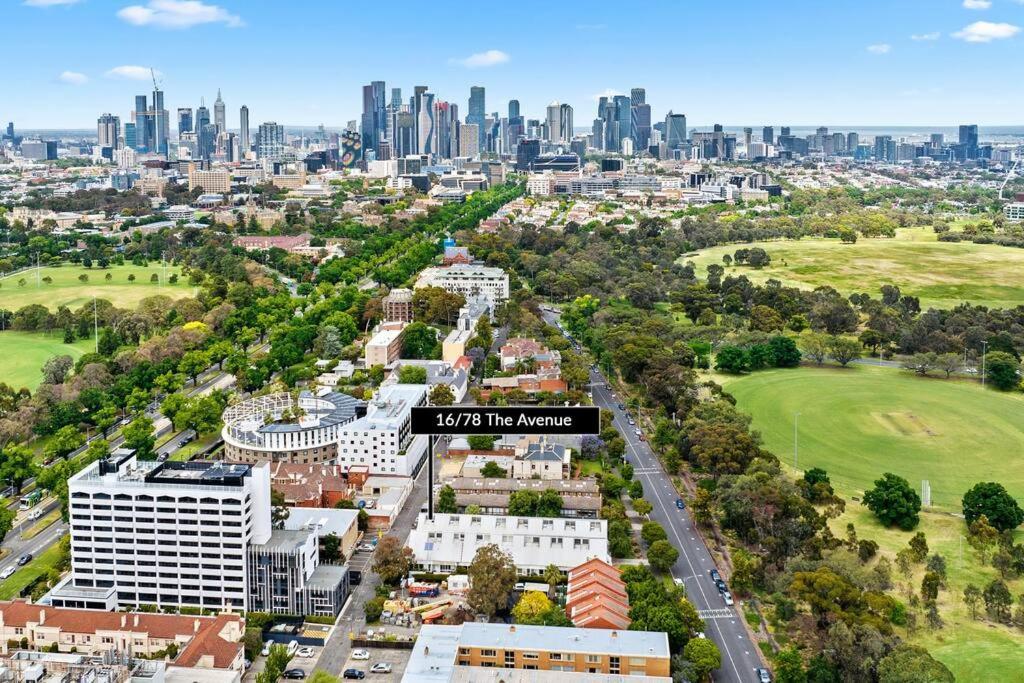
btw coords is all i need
(396, 98)
(477, 112)
(243, 137)
(768, 135)
(969, 141)
(565, 122)
(184, 120)
(597, 131)
(554, 122)
(161, 122)
(675, 130)
(637, 96)
(373, 122)
(442, 145)
(469, 140)
(405, 133)
(219, 119)
(425, 122)
(143, 124)
(641, 124)
(623, 120)
(108, 130)
(206, 132)
(513, 110)
(270, 142)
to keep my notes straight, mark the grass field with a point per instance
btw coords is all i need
(66, 290)
(942, 274)
(974, 650)
(862, 421)
(43, 564)
(22, 355)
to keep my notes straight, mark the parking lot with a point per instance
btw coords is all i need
(396, 658)
(307, 664)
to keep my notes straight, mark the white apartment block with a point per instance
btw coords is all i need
(1014, 212)
(382, 439)
(450, 541)
(170, 534)
(469, 280)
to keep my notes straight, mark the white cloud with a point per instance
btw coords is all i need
(73, 78)
(977, 4)
(986, 32)
(879, 48)
(131, 72)
(48, 3)
(482, 59)
(934, 35)
(178, 14)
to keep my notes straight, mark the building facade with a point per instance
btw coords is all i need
(382, 439)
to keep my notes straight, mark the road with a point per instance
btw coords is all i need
(724, 625)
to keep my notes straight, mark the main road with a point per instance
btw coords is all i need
(724, 625)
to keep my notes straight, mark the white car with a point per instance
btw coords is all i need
(367, 547)
(8, 572)
(638, 432)
(305, 652)
(679, 582)
(380, 668)
(360, 655)
(727, 596)
(266, 648)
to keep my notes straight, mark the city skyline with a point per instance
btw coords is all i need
(929, 63)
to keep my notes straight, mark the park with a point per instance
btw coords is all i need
(125, 287)
(940, 274)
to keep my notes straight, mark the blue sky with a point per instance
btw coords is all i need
(797, 62)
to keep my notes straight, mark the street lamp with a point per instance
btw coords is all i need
(984, 350)
(796, 441)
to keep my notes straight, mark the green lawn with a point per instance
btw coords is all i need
(22, 355)
(862, 421)
(10, 588)
(68, 291)
(942, 274)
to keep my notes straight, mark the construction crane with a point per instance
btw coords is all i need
(1009, 177)
(152, 72)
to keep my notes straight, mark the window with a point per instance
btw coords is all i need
(488, 653)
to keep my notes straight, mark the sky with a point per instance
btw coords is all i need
(742, 62)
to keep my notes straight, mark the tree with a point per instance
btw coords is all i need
(279, 510)
(636, 489)
(866, 549)
(492, 576)
(652, 532)
(412, 374)
(921, 363)
(553, 577)
(972, 598)
(17, 464)
(480, 442)
(66, 440)
(703, 655)
(993, 501)
(642, 507)
(531, 608)
(844, 350)
(912, 664)
(419, 341)
(493, 470)
(789, 667)
(894, 502)
(949, 363)
(662, 555)
(998, 601)
(441, 395)
(930, 587)
(1001, 370)
(6, 521)
(392, 560)
(732, 359)
(918, 545)
(549, 504)
(523, 503)
(138, 434)
(446, 500)
(982, 536)
(193, 364)
(816, 347)
(363, 520)
(784, 351)
(765, 319)
(56, 369)
(330, 549)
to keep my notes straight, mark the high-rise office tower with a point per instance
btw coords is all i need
(838, 143)
(784, 131)
(425, 123)
(937, 139)
(10, 129)
(206, 132)
(161, 122)
(442, 145)
(623, 119)
(768, 135)
(477, 112)
(184, 120)
(748, 137)
(243, 136)
(108, 130)
(597, 131)
(130, 136)
(675, 130)
(640, 123)
(373, 121)
(469, 140)
(637, 96)
(143, 124)
(219, 119)
(513, 109)
(396, 98)
(565, 122)
(404, 143)
(554, 122)
(969, 141)
(414, 107)
(852, 142)
(882, 143)
(270, 141)
(526, 152)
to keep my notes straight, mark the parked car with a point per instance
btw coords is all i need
(366, 547)
(722, 588)
(727, 596)
(294, 674)
(630, 421)
(680, 504)
(638, 432)
(162, 457)
(679, 582)
(355, 674)
(6, 573)
(35, 514)
(24, 559)
(355, 577)
(293, 647)
(519, 586)
(305, 652)
(361, 655)
(266, 648)
(764, 676)
(622, 406)
(715, 576)
(380, 668)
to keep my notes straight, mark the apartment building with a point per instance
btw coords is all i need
(469, 280)
(580, 497)
(526, 653)
(385, 346)
(382, 439)
(596, 596)
(210, 181)
(398, 305)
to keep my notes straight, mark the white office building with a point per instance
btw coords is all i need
(170, 534)
(382, 439)
(450, 541)
(470, 280)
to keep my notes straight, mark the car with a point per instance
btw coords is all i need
(638, 432)
(715, 576)
(764, 676)
(622, 406)
(35, 514)
(355, 577)
(184, 442)
(520, 586)
(700, 634)
(293, 647)
(355, 674)
(722, 588)
(630, 421)
(248, 663)
(305, 652)
(361, 655)
(24, 559)
(162, 457)
(365, 547)
(266, 648)
(6, 573)
(294, 674)
(727, 596)
(680, 505)
(380, 668)
(679, 582)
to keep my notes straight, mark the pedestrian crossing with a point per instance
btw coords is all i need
(720, 613)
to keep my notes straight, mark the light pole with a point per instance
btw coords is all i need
(796, 441)
(984, 350)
